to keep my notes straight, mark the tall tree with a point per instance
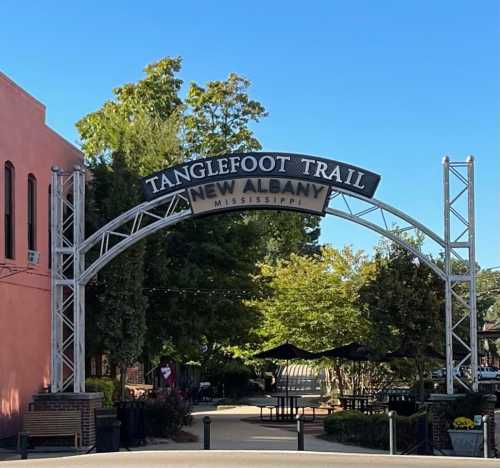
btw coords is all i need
(129, 136)
(312, 302)
(149, 127)
(404, 303)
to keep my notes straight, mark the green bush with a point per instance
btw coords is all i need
(104, 385)
(234, 376)
(353, 427)
(165, 415)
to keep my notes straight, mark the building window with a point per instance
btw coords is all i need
(9, 210)
(31, 212)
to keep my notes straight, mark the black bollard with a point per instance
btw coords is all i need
(23, 445)
(300, 433)
(206, 432)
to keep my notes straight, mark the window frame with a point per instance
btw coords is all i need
(9, 209)
(31, 212)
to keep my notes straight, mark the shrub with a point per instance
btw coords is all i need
(165, 415)
(234, 376)
(353, 427)
(104, 385)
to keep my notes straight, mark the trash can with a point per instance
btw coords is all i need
(131, 415)
(107, 434)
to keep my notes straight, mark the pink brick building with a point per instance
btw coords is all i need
(28, 149)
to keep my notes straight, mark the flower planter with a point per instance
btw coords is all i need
(466, 443)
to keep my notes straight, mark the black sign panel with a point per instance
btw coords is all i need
(261, 165)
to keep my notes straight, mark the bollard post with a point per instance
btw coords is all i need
(23, 445)
(392, 432)
(485, 436)
(300, 433)
(206, 432)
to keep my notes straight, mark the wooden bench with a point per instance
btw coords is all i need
(52, 424)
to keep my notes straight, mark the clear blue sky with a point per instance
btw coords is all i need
(387, 85)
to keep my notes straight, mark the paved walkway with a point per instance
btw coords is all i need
(230, 431)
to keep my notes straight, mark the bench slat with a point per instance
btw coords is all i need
(53, 423)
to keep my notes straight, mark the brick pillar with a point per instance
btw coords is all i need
(440, 438)
(85, 402)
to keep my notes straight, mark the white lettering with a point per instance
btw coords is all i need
(223, 169)
(201, 173)
(349, 176)
(184, 175)
(271, 165)
(282, 160)
(153, 183)
(244, 164)
(320, 170)
(235, 163)
(335, 173)
(165, 183)
(210, 170)
(308, 163)
(358, 180)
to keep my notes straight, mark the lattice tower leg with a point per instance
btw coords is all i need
(460, 269)
(67, 295)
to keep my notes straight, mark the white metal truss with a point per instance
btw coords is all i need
(67, 299)
(70, 271)
(460, 268)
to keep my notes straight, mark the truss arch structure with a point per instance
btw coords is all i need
(77, 260)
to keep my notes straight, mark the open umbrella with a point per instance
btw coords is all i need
(285, 351)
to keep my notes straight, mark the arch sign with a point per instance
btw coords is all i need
(240, 181)
(244, 181)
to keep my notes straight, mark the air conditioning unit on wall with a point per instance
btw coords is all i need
(33, 257)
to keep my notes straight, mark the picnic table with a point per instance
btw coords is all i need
(287, 406)
(356, 402)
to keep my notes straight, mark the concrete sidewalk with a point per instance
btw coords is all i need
(230, 431)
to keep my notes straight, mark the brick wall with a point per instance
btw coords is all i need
(85, 402)
(440, 438)
(135, 375)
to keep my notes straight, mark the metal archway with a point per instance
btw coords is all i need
(70, 272)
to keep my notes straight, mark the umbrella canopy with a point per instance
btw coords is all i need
(352, 352)
(285, 351)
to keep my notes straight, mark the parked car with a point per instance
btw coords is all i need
(487, 373)
(441, 373)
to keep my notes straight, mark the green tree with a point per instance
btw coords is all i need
(116, 316)
(147, 127)
(218, 118)
(404, 303)
(312, 302)
(129, 136)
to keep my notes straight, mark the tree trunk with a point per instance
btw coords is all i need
(123, 382)
(420, 376)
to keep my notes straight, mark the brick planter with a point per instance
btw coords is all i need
(440, 437)
(85, 402)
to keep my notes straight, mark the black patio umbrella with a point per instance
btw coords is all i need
(285, 351)
(352, 352)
